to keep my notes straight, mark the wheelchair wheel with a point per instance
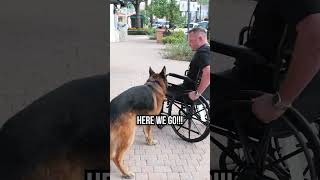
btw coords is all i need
(196, 124)
(226, 163)
(279, 171)
(299, 158)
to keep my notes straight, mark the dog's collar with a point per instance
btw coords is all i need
(151, 85)
(156, 81)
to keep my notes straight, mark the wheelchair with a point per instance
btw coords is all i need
(250, 149)
(196, 119)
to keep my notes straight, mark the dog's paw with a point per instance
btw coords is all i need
(152, 142)
(129, 175)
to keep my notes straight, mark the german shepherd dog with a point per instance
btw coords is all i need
(146, 99)
(59, 135)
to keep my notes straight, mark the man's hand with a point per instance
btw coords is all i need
(304, 65)
(264, 110)
(193, 95)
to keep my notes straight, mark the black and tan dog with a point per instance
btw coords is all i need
(146, 99)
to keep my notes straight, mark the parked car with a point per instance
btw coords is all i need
(203, 24)
(191, 25)
(160, 23)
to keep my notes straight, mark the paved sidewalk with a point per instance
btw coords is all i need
(172, 158)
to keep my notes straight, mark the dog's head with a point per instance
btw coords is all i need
(159, 78)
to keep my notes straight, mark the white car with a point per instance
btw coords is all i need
(191, 25)
(161, 23)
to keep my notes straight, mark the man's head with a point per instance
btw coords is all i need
(197, 38)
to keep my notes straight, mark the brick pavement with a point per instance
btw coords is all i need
(172, 158)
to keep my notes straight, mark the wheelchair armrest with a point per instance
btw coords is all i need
(244, 30)
(185, 78)
(237, 52)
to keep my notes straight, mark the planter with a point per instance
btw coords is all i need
(159, 35)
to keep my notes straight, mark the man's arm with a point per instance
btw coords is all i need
(205, 79)
(304, 65)
(204, 83)
(306, 59)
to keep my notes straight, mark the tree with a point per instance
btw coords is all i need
(174, 14)
(136, 4)
(149, 12)
(160, 8)
(166, 8)
(203, 2)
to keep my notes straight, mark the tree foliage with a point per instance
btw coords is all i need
(159, 8)
(203, 2)
(168, 9)
(174, 14)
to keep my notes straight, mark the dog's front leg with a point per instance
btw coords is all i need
(148, 134)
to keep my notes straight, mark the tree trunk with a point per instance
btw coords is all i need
(151, 15)
(137, 9)
(151, 20)
(170, 14)
(147, 7)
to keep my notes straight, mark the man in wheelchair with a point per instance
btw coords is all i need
(190, 99)
(280, 61)
(198, 76)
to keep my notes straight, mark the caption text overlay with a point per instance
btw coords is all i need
(160, 120)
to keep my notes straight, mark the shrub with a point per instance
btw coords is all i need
(178, 51)
(137, 31)
(174, 38)
(153, 37)
(152, 33)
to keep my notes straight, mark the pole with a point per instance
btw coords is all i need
(188, 15)
(200, 12)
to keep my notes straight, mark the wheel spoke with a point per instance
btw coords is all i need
(180, 126)
(195, 126)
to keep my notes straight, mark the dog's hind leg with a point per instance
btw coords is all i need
(148, 134)
(125, 138)
(118, 159)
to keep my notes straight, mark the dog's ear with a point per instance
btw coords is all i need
(163, 71)
(151, 72)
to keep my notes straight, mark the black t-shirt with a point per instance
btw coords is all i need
(270, 19)
(200, 60)
(271, 16)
